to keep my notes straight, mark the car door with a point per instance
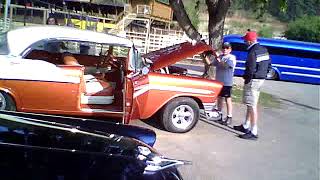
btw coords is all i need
(41, 85)
(137, 82)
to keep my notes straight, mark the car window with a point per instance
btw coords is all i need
(53, 46)
(3, 44)
(121, 51)
(139, 64)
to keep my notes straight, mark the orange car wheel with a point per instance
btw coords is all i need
(180, 115)
(6, 102)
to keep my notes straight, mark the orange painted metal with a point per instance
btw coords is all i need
(170, 55)
(144, 94)
(164, 87)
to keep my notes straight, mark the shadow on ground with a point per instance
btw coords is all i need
(155, 123)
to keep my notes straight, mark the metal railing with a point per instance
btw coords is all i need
(24, 16)
(5, 24)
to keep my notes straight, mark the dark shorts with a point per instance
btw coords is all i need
(226, 91)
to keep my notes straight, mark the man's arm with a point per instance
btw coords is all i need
(250, 67)
(231, 62)
(210, 58)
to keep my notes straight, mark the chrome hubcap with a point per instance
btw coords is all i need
(182, 116)
(2, 102)
(271, 74)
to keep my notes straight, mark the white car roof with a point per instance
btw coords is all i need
(20, 39)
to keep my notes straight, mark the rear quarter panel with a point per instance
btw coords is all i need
(164, 87)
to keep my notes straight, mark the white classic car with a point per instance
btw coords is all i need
(66, 71)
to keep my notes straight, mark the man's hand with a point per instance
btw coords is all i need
(217, 55)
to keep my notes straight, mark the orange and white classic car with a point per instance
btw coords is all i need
(66, 71)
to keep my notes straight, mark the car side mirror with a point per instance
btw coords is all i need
(145, 70)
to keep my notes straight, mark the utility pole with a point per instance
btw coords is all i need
(6, 7)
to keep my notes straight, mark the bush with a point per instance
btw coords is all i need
(266, 31)
(306, 28)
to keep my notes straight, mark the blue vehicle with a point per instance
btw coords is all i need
(294, 61)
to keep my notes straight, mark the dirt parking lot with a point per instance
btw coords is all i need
(287, 148)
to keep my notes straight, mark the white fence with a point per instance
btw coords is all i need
(144, 41)
(156, 39)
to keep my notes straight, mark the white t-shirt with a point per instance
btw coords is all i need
(225, 69)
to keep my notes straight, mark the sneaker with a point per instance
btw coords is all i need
(227, 121)
(249, 136)
(241, 129)
(220, 119)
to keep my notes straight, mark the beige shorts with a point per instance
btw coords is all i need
(251, 92)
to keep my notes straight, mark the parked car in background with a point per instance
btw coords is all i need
(66, 71)
(33, 148)
(294, 61)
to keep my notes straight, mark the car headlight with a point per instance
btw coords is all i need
(156, 162)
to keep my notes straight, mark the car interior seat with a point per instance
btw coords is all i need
(97, 91)
(69, 59)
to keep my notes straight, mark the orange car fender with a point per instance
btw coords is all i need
(14, 96)
(162, 100)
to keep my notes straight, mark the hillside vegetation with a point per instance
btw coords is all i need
(269, 20)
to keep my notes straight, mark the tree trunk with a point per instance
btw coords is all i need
(217, 10)
(183, 19)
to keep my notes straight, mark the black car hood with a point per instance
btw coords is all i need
(94, 126)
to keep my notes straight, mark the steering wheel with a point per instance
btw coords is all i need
(108, 60)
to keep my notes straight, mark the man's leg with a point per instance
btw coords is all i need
(247, 121)
(246, 99)
(220, 106)
(253, 112)
(228, 119)
(229, 106)
(220, 103)
(253, 119)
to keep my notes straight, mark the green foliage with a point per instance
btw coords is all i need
(285, 10)
(266, 31)
(192, 9)
(306, 28)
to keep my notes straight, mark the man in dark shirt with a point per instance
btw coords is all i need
(258, 65)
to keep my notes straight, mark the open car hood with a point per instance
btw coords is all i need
(170, 55)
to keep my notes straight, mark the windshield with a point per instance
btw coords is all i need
(3, 44)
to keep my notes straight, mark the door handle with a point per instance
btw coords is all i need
(13, 63)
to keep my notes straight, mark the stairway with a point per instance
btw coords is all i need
(123, 23)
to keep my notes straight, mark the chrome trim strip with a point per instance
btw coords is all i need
(209, 106)
(300, 74)
(96, 99)
(140, 91)
(241, 68)
(296, 67)
(180, 89)
(241, 61)
(144, 89)
(88, 110)
(286, 66)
